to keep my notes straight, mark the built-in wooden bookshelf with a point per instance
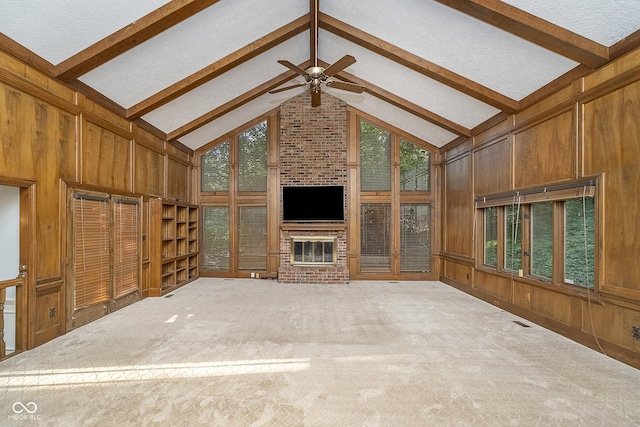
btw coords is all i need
(174, 243)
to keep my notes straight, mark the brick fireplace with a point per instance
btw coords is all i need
(313, 151)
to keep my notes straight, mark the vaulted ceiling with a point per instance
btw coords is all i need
(437, 69)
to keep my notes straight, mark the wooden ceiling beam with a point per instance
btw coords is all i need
(626, 45)
(219, 67)
(314, 9)
(418, 64)
(234, 104)
(534, 29)
(20, 52)
(130, 36)
(405, 105)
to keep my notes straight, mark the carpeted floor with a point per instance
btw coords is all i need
(222, 352)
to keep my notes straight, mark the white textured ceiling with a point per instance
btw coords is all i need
(500, 66)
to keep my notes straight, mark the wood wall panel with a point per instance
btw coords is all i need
(149, 171)
(496, 286)
(49, 312)
(492, 167)
(458, 194)
(106, 158)
(612, 321)
(38, 143)
(552, 305)
(459, 273)
(612, 147)
(545, 153)
(177, 180)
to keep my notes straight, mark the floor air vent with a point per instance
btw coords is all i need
(524, 325)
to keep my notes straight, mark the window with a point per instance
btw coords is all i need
(542, 240)
(252, 238)
(125, 225)
(375, 237)
(545, 234)
(414, 167)
(513, 238)
(395, 196)
(252, 159)
(215, 238)
(91, 249)
(105, 235)
(579, 242)
(215, 168)
(491, 236)
(415, 237)
(234, 202)
(375, 158)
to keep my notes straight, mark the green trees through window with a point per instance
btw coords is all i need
(386, 229)
(550, 237)
(579, 242)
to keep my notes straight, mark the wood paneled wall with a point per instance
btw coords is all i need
(590, 129)
(57, 139)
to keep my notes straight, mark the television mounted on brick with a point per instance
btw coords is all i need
(313, 203)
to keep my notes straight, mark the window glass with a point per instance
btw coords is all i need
(252, 238)
(579, 242)
(375, 158)
(542, 239)
(215, 238)
(375, 237)
(415, 237)
(491, 236)
(414, 167)
(252, 159)
(513, 238)
(215, 168)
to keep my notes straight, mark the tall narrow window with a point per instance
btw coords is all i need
(252, 238)
(375, 237)
(415, 237)
(375, 158)
(125, 251)
(491, 236)
(414, 167)
(91, 249)
(252, 159)
(513, 238)
(215, 238)
(215, 168)
(542, 239)
(579, 242)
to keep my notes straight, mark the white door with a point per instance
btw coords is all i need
(9, 256)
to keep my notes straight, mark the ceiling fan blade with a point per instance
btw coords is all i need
(339, 65)
(293, 67)
(315, 98)
(351, 87)
(282, 89)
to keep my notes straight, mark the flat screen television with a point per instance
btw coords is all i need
(321, 203)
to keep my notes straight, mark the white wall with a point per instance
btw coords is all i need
(9, 255)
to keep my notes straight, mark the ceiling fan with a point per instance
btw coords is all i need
(315, 76)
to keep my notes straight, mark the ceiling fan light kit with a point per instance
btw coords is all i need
(315, 76)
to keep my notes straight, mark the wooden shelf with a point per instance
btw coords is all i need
(174, 243)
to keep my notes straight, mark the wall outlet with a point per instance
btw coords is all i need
(253, 275)
(520, 273)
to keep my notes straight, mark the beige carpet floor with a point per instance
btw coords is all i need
(221, 352)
